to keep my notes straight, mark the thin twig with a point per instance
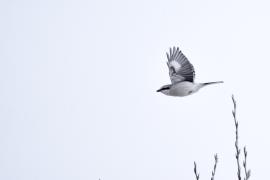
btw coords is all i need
(247, 172)
(237, 154)
(197, 175)
(215, 167)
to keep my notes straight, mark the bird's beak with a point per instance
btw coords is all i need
(158, 90)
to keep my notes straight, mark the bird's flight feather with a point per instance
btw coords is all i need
(180, 69)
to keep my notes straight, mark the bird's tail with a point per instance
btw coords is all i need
(208, 83)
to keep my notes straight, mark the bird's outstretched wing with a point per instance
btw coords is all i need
(180, 69)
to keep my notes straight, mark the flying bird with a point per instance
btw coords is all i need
(182, 76)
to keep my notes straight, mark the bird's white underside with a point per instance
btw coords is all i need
(184, 88)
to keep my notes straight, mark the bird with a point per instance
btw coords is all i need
(182, 75)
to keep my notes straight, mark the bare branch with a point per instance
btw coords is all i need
(247, 172)
(197, 175)
(237, 154)
(215, 167)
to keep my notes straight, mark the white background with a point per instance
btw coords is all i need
(78, 82)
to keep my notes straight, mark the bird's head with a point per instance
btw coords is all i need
(164, 89)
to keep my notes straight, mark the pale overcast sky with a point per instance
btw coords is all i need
(78, 89)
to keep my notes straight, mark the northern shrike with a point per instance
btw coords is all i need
(182, 76)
